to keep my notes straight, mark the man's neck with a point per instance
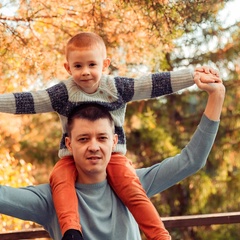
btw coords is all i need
(91, 179)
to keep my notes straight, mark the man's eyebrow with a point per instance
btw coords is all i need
(83, 135)
(103, 133)
(88, 134)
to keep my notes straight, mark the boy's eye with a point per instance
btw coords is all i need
(93, 64)
(77, 66)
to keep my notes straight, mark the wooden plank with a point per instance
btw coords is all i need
(25, 234)
(201, 220)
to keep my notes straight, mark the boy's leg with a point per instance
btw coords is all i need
(62, 181)
(123, 179)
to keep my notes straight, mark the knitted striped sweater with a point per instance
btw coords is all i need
(113, 93)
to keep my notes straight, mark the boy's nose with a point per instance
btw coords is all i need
(85, 72)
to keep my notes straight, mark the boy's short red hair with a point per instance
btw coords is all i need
(86, 40)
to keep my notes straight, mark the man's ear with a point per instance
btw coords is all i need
(68, 144)
(115, 141)
(106, 64)
(66, 65)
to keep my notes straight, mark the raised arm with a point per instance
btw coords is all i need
(193, 157)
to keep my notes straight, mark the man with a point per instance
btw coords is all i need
(91, 140)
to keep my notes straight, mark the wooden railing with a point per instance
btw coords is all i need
(170, 222)
(201, 220)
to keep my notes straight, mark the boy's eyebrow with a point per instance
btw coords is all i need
(79, 62)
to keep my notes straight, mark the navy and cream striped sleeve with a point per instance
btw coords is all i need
(154, 85)
(33, 102)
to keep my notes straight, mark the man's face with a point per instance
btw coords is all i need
(91, 144)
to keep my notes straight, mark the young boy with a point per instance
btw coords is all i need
(86, 61)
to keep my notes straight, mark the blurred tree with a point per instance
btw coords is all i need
(14, 173)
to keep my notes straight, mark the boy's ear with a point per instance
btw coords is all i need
(66, 66)
(106, 63)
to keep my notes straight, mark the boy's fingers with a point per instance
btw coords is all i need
(202, 69)
(213, 71)
(209, 78)
(207, 70)
(198, 82)
(197, 78)
(199, 69)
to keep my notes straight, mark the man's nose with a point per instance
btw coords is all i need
(93, 146)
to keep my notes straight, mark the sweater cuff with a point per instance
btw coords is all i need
(181, 79)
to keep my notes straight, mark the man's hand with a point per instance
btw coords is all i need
(207, 74)
(211, 86)
(216, 94)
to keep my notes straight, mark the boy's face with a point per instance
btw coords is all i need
(86, 67)
(91, 144)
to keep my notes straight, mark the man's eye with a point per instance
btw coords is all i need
(103, 138)
(82, 139)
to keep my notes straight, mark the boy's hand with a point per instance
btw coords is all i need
(206, 69)
(207, 74)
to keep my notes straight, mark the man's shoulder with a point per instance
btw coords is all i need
(43, 189)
